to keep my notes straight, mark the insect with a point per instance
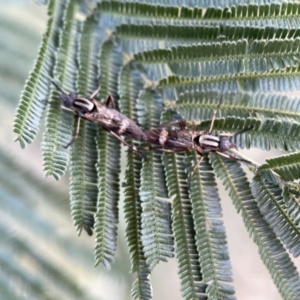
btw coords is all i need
(181, 139)
(103, 114)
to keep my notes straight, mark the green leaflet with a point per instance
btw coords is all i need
(227, 58)
(195, 105)
(210, 232)
(31, 106)
(271, 251)
(143, 10)
(149, 36)
(129, 87)
(57, 132)
(83, 173)
(190, 272)
(286, 166)
(141, 288)
(286, 81)
(271, 205)
(146, 36)
(290, 198)
(156, 215)
(106, 217)
(241, 12)
(108, 166)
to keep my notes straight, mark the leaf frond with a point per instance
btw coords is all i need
(195, 105)
(286, 166)
(283, 81)
(291, 202)
(271, 205)
(108, 165)
(210, 232)
(253, 14)
(189, 269)
(106, 217)
(57, 132)
(129, 87)
(271, 250)
(227, 58)
(83, 173)
(141, 288)
(156, 216)
(31, 106)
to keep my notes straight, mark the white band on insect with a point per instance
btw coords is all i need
(85, 103)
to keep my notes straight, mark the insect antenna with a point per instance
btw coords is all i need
(214, 114)
(244, 130)
(58, 87)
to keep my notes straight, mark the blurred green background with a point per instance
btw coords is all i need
(41, 256)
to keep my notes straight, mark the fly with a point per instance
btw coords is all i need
(181, 139)
(102, 114)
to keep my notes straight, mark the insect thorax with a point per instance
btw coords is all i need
(209, 142)
(83, 105)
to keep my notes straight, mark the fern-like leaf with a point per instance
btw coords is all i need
(286, 166)
(130, 85)
(210, 232)
(291, 203)
(141, 288)
(108, 166)
(31, 106)
(187, 255)
(156, 221)
(83, 174)
(195, 105)
(57, 130)
(229, 59)
(271, 205)
(106, 218)
(271, 251)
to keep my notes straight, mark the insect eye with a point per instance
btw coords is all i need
(83, 104)
(224, 143)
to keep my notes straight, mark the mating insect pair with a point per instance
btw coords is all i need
(166, 138)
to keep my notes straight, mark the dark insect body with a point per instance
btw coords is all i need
(181, 139)
(102, 114)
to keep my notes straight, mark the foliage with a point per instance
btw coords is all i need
(164, 61)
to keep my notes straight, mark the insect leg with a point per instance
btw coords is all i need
(110, 100)
(67, 109)
(96, 92)
(194, 169)
(232, 157)
(177, 122)
(167, 150)
(214, 115)
(76, 135)
(133, 148)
